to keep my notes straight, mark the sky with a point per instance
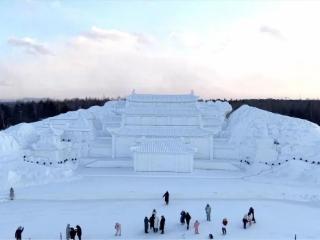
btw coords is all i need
(218, 49)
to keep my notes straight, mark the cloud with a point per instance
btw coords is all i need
(237, 63)
(29, 45)
(100, 34)
(272, 31)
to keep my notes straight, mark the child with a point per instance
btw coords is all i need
(196, 227)
(224, 226)
(117, 226)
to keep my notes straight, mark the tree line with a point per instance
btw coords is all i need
(304, 109)
(12, 113)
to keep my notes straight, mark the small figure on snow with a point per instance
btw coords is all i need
(146, 225)
(196, 227)
(210, 236)
(156, 223)
(117, 226)
(208, 212)
(162, 223)
(68, 232)
(154, 212)
(72, 233)
(182, 217)
(166, 197)
(251, 213)
(224, 226)
(188, 218)
(18, 233)
(245, 221)
(11, 194)
(151, 221)
(79, 231)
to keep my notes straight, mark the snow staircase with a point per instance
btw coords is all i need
(106, 162)
(217, 164)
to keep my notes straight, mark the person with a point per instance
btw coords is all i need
(208, 212)
(245, 221)
(196, 227)
(250, 219)
(224, 226)
(162, 223)
(166, 197)
(146, 225)
(68, 232)
(251, 212)
(117, 226)
(156, 223)
(11, 194)
(154, 212)
(79, 231)
(18, 233)
(210, 236)
(72, 233)
(151, 221)
(182, 217)
(188, 218)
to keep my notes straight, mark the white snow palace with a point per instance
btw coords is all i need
(162, 132)
(145, 131)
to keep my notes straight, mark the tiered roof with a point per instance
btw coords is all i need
(161, 98)
(161, 131)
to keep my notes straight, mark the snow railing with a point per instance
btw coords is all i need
(44, 161)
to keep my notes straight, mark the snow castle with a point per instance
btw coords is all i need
(147, 132)
(163, 131)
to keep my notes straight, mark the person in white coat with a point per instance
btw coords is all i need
(156, 224)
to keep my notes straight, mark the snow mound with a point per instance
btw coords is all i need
(24, 133)
(8, 144)
(249, 123)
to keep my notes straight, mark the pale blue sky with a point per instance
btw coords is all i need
(107, 48)
(47, 20)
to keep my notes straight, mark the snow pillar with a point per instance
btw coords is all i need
(113, 146)
(211, 147)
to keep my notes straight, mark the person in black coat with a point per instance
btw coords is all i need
(182, 217)
(166, 197)
(72, 233)
(79, 231)
(146, 225)
(18, 233)
(251, 211)
(188, 218)
(151, 221)
(162, 223)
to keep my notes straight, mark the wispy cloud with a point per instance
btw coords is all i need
(29, 45)
(272, 31)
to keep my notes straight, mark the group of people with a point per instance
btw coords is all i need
(72, 232)
(153, 223)
(248, 218)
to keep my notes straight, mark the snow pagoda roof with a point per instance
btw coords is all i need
(161, 98)
(161, 131)
(192, 111)
(163, 146)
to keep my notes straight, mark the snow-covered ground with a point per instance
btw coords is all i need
(97, 198)
(279, 175)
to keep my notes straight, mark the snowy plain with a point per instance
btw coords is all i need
(286, 197)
